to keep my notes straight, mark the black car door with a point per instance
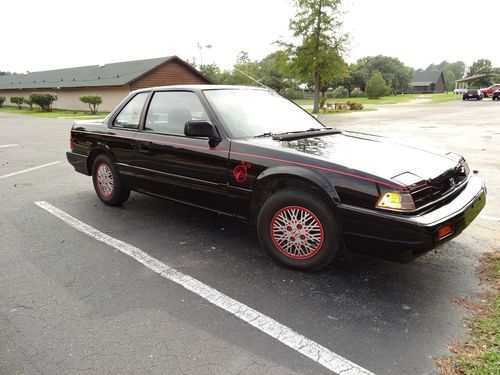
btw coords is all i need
(169, 164)
(119, 137)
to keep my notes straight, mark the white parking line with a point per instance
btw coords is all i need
(489, 217)
(269, 326)
(29, 169)
(4, 146)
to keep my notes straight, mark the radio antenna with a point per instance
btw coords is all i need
(253, 79)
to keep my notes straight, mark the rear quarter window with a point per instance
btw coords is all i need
(130, 115)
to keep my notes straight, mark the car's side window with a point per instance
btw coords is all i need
(130, 115)
(170, 110)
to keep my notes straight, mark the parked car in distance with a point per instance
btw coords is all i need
(490, 90)
(310, 190)
(472, 94)
(496, 95)
(459, 91)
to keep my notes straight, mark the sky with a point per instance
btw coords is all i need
(51, 34)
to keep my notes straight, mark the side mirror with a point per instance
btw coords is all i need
(202, 128)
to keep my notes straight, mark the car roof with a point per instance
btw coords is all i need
(200, 87)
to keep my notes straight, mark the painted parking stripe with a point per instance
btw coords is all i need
(492, 218)
(5, 146)
(269, 326)
(29, 169)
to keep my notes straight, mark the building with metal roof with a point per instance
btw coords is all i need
(111, 81)
(428, 82)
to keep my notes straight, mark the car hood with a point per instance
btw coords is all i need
(378, 156)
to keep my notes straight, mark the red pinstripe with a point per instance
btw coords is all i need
(398, 187)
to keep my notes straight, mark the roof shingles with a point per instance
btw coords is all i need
(425, 78)
(114, 74)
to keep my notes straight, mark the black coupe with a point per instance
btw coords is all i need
(312, 191)
(496, 94)
(473, 94)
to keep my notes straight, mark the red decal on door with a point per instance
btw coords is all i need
(240, 172)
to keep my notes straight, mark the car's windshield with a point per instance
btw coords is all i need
(253, 112)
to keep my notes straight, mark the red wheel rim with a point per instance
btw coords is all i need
(104, 179)
(296, 232)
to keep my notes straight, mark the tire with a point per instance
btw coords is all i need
(291, 243)
(108, 184)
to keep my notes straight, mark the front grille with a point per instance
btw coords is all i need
(438, 188)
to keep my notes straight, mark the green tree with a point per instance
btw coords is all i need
(2, 100)
(92, 101)
(457, 67)
(275, 71)
(246, 71)
(29, 103)
(451, 72)
(43, 99)
(318, 54)
(397, 75)
(17, 100)
(211, 71)
(481, 66)
(376, 86)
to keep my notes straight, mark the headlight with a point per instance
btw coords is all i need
(465, 168)
(398, 201)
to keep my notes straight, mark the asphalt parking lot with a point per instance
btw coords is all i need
(70, 303)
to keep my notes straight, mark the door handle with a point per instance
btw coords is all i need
(145, 146)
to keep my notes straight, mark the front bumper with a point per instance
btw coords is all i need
(403, 237)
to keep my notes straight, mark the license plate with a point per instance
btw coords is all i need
(474, 209)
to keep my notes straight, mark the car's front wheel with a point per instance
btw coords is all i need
(108, 184)
(299, 230)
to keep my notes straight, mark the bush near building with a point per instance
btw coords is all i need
(2, 100)
(17, 100)
(92, 101)
(29, 103)
(43, 99)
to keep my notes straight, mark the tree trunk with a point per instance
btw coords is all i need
(317, 74)
(316, 91)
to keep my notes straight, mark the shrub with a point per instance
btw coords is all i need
(17, 100)
(376, 86)
(340, 92)
(92, 101)
(358, 106)
(356, 93)
(43, 99)
(29, 103)
(2, 100)
(322, 101)
(291, 93)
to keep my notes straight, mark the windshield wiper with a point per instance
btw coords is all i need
(268, 134)
(312, 132)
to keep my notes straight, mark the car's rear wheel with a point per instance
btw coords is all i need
(108, 184)
(299, 230)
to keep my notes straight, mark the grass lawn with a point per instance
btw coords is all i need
(444, 97)
(393, 99)
(480, 354)
(55, 113)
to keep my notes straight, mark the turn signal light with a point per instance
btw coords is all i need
(445, 231)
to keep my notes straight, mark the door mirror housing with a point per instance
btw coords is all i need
(202, 128)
